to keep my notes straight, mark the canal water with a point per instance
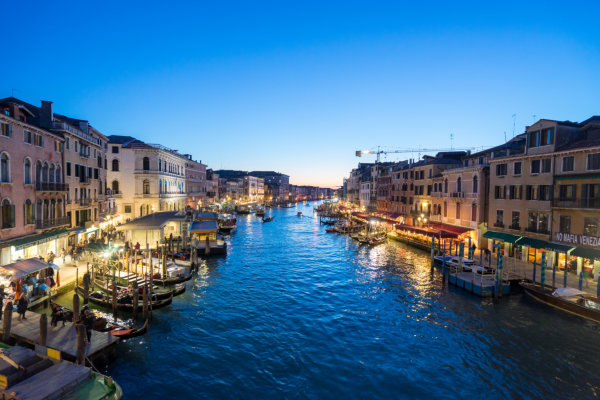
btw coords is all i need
(295, 312)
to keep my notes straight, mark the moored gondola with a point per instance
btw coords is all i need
(124, 303)
(178, 289)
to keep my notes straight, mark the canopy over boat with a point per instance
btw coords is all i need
(567, 292)
(203, 226)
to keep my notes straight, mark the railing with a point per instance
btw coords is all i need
(84, 155)
(66, 127)
(51, 187)
(591, 202)
(534, 229)
(110, 211)
(515, 227)
(457, 195)
(51, 223)
(85, 202)
(157, 171)
(84, 179)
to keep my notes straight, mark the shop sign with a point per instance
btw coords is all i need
(570, 238)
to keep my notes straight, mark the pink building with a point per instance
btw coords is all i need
(32, 188)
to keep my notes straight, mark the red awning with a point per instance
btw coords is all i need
(456, 230)
(423, 230)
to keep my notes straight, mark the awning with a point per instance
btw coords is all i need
(533, 243)
(591, 254)
(33, 240)
(20, 269)
(503, 237)
(203, 227)
(457, 230)
(424, 231)
(560, 248)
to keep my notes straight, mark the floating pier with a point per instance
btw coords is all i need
(483, 286)
(60, 338)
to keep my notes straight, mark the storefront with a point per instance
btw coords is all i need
(40, 245)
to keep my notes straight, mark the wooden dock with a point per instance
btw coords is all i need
(61, 338)
(483, 286)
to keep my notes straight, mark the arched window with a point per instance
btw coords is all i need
(459, 184)
(160, 186)
(38, 172)
(38, 210)
(159, 164)
(27, 171)
(115, 165)
(474, 212)
(4, 168)
(146, 188)
(446, 186)
(59, 208)
(146, 163)
(28, 213)
(53, 209)
(51, 174)
(115, 187)
(58, 174)
(45, 172)
(475, 184)
(46, 210)
(8, 214)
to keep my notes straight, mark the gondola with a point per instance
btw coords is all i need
(123, 303)
(171, 280)
(156, 295)
(330, 230)
(268, 219)
(566, 299)
(125, 333)
(102, 324)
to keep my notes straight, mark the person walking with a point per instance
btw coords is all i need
(22, 306)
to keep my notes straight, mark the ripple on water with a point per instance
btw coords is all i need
(293, 312)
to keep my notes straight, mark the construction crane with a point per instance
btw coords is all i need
(379, 152)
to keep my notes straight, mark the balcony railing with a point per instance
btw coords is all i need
(593, 203)
(51, 187)
(110, 211)
(516, 227)
(85, 202)
(534, 229)
(84, 179)
(458, 195)
(51, 223)
(498, 224)
(66, 127)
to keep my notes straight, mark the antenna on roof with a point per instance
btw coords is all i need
(451, 140)
(514, 116)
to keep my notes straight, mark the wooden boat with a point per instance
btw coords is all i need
(156, 294)
(299, 213)
(566, 299)
(124, 303)
(128, 333)
(268, 219)
(328, 223)
(377, 238)
(330, 230)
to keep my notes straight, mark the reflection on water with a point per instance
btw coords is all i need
(293, 311)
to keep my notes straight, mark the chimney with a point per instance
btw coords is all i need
(46, 114)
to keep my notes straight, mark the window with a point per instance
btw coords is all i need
(500, 169)
(8, 214)
(517, 168)
(538, 222)
(473, 212)
(28, 213)
(457, 210)
(531, 192)
(544, 192)
(4, 168)
(68, 169)
(430, 172)
(127, 209)
(590, 226)
(445, 209)
(115, 186)
(115, 149)
(67, 141)
(146, 164)
(76, 146)
(475, 184)
(27, 171)
(499, 218)
(564, 224)
(58, 175)
(534, 139)
(547, 137)
(27, 137)
(5, 129)
(499, 192)
(446, 186)
(146, 186)
(95, 173)
(568, 164)
(535, 166)
(459, 184)
(566, 192)
(515, 220)
(115, 165)
(89, 172)
(422, 174)
(38, 140)
(546, 165)
(593, 161)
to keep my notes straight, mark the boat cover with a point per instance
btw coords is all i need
(567, 292)
(20, 269)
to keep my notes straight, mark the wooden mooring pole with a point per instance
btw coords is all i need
(7, 322)
(43, 329)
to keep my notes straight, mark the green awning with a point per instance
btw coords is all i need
(591, 254)
(501, 236)
(533, 243)
(29, 241)
(560, 248)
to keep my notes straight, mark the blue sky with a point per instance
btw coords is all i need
(299, 86)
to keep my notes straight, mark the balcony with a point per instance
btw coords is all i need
(84, 179)
(51, 187)
(457, 195)
(589, 203)
(51, 223)
(533, 229)
(62, 126)
(84, 202)
(110, 211)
